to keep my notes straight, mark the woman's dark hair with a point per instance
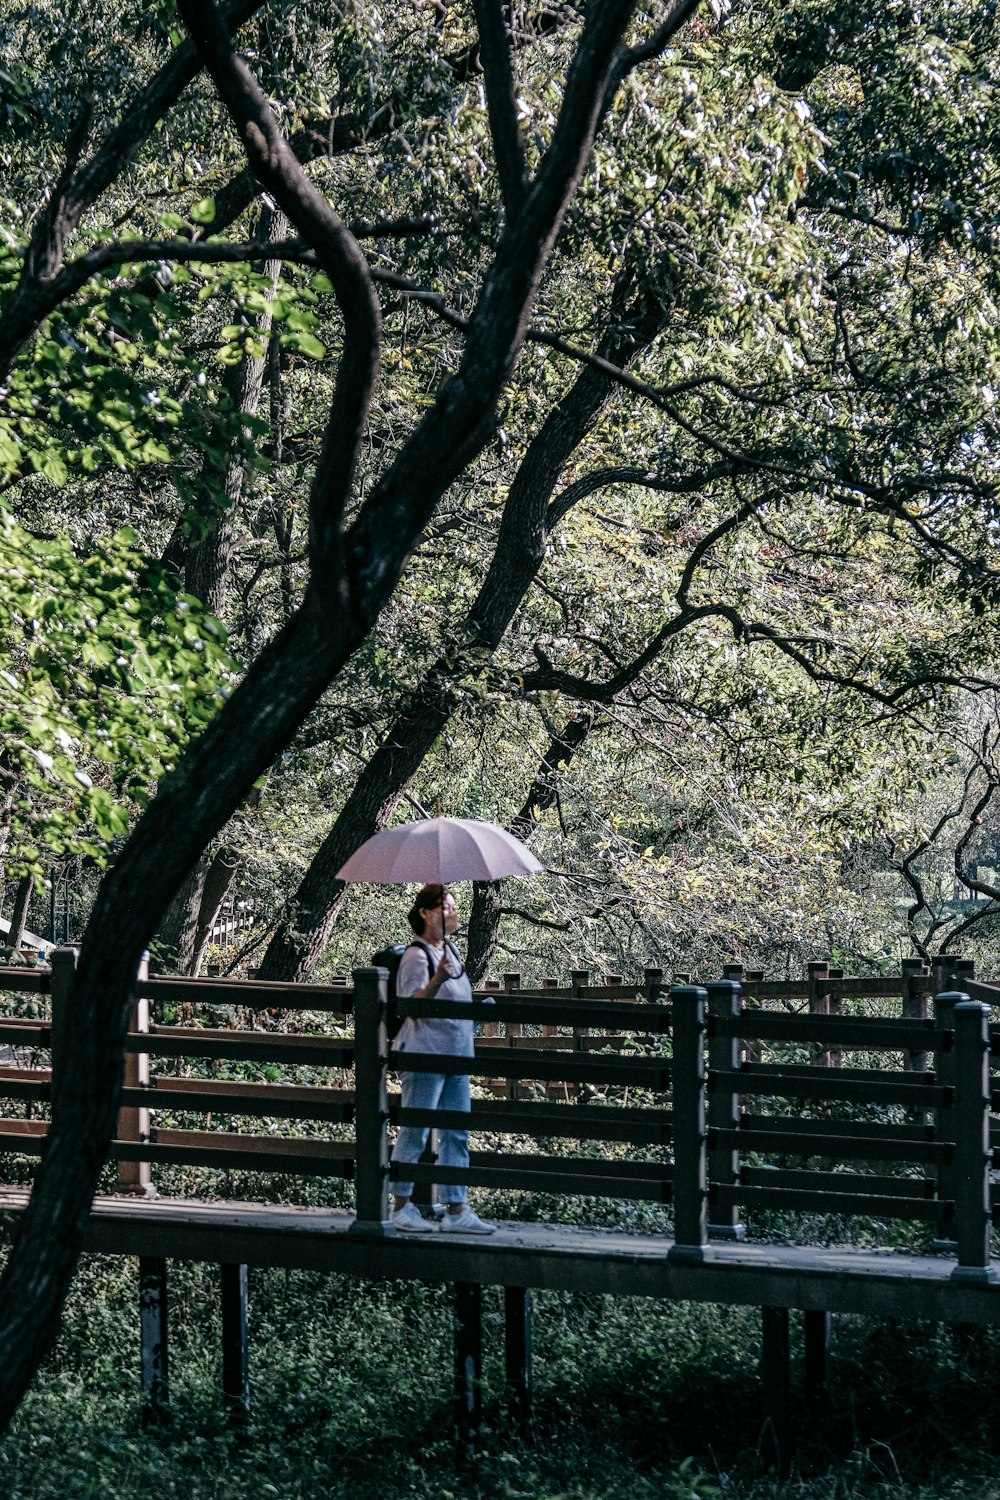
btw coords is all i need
(428, 898)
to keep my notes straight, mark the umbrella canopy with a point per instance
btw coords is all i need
(439, 850)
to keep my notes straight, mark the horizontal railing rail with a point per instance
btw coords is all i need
(523, 1062)
(528, 1008)
(578, 1121)
(242, 1046)
(834, 1142)
(874, 1033)
(250, 994)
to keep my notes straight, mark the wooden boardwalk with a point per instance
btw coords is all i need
(557, 1257)
(862, 1101)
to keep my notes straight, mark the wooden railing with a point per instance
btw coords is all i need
(601, 1046)
(155, 1087)
(828, 1096)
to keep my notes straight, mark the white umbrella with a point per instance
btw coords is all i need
(439, 850)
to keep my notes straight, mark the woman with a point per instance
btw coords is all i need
(431, 969)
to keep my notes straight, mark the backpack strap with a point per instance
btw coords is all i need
(427, 954)
(449, 946)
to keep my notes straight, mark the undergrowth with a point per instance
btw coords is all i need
(351, 1397)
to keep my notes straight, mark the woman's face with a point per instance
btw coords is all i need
(442, 920)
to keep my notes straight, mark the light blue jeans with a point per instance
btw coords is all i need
(434, 1091)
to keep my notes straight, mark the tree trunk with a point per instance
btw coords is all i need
(19, 914)
(297, 947)
(484, 918)
(207, 566)
(179, 929)
(215, 888)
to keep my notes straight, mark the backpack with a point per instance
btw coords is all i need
(390, 958)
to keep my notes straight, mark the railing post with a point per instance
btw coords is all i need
(915, 1008)
(63, 962)
(548, 983)
(511, 985)
(133, 1122)
(690, 1141)
(371, 1104)
(652, 985)
(819, 988)
(579, 979)
(819, 1003)
(942, 972)
(835, 1006)
(972, 1141)
(723, 1106)
(944, 1115)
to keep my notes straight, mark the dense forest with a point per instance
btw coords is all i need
(708, 614)
(581, 417)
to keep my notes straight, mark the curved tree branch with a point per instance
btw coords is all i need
(337, 251)
(31, 302)
(494, 54)
(518, 555)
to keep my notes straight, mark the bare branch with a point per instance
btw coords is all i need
(337, 135)
(45, 249)
(674, 484)
(654, 44)
(701, 550)
(29, 305)
(337, 251)
(550, 679)
(508, 150)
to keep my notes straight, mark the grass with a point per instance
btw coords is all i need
(351, 1397)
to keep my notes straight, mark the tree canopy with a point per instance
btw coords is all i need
(584, 417)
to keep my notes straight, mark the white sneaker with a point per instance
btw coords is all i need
(409, 1219)
(466, 1222)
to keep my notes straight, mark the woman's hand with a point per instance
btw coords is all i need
(441, 974)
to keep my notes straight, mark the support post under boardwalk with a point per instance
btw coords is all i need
(154, 1348)
(818, 1328)
(517, 1350)
(468, 1365)
(775, 1439)
(235, 1341)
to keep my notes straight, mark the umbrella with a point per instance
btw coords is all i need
(439, 850)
